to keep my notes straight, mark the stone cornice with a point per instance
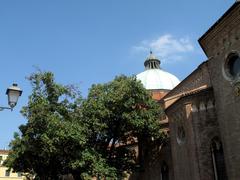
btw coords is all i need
(198, 80)
(174, 106)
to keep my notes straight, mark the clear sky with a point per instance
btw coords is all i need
(91, 41)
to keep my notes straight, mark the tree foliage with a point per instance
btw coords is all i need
(119, 114)
(54, 140)
(65, 134)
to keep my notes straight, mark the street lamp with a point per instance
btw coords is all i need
(13, 93)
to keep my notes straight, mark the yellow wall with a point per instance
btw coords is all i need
(3, 170)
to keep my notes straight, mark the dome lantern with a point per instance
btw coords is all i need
(152, 62)
(154, 78)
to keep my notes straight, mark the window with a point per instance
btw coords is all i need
(164, 171)
(218, 160)
(181, 135)
(1, 160)
(232, 66)
(7, 173)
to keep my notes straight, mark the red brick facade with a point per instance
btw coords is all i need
(203, 114)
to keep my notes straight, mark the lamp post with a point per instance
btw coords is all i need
(13, 93)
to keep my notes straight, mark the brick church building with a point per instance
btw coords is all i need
(202, 111)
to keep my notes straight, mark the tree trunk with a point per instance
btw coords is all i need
(77, 176)
(141, 153)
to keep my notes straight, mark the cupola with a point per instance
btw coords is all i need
(155, 78)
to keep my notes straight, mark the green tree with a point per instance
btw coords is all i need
(117, 115)
(93, 137)
(54, 140)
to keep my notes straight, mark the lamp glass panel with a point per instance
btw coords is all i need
(13, 97)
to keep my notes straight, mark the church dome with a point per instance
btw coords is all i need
(154, 77)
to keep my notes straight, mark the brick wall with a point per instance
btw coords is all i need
(154, 159)
(192, 157)
(221, 40)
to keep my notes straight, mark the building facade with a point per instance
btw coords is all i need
(4, 172)
(202, 112)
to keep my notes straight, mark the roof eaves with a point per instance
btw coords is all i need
(217, 22)
(189, 94)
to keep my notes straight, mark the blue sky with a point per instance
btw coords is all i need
(90, 41)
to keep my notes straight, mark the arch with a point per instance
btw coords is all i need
(210, 104)
(181, 134)
(164, 171)
(202, 106)
(194, 108)
(218, 159)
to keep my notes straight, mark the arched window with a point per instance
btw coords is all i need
(164, 171)
(181, 135)
(218, 160)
